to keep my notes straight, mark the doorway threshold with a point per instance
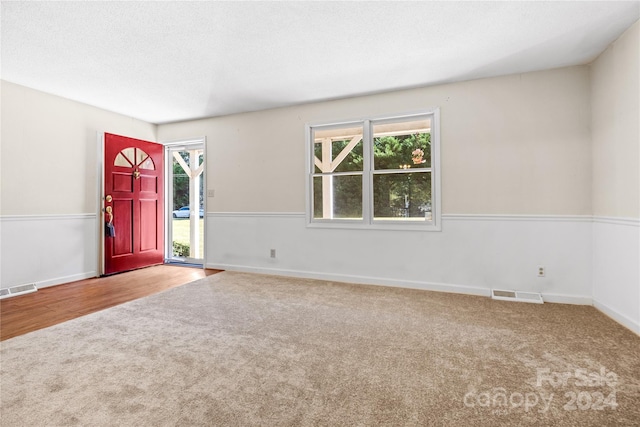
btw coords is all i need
(183, 263)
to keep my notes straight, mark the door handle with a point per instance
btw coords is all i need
(109, 212)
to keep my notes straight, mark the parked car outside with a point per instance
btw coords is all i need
(183, 212)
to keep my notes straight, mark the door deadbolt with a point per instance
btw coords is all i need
(108, 199)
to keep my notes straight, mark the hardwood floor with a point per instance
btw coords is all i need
(57, 304)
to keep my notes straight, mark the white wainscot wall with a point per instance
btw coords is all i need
(472, 254)
(586, 260)
(47, 249)
(616, 269)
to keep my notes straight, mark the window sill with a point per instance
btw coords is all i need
(384, 226)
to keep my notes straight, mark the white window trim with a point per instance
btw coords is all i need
(367, 186)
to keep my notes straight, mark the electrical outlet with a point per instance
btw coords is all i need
(541, 271)
(273, 253)
(211, 193)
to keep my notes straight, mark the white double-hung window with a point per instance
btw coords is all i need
(381, 172)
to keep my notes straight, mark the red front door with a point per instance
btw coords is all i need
(133, 203)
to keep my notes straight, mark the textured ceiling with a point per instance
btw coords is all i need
(178, 60)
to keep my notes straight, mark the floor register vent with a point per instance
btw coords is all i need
(17, 290)
(520, 296)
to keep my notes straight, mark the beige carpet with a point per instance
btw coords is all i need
(239, 350)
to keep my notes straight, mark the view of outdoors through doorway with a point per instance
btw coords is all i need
(186, 203)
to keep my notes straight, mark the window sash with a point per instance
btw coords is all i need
(401, 220)
(393, 171)
(316, 174)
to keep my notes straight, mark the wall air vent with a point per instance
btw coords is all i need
(519, 296)
(17, 290)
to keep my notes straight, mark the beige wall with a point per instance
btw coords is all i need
(615, 94)
(518, 144)
(49, 151)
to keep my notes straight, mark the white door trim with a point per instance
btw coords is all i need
(168, 186)
(100, 202)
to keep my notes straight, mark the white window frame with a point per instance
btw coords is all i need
(367, 221)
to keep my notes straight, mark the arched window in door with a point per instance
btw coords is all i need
(131, 157)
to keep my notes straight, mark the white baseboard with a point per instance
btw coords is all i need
(66, 279)
(345, 278)
(633, 325)
(425, 286)
(567, 299)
